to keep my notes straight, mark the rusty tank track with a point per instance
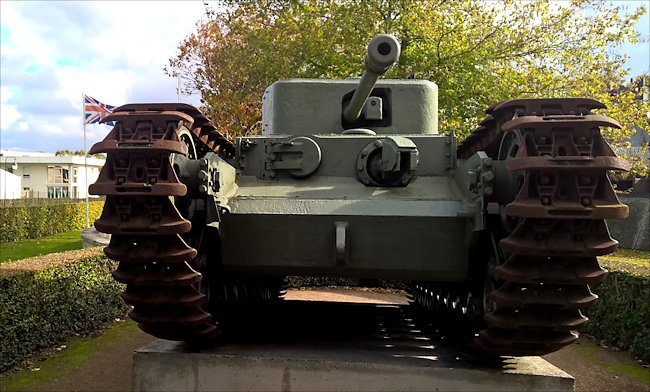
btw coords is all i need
(542, 284)
(146, 226)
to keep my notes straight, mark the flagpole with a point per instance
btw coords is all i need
(83, 120)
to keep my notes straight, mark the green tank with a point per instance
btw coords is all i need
(350, 178)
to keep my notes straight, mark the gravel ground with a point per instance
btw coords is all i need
(42, 262)
(595, 368)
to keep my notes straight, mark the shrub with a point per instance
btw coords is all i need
(622, 315)
(294, 282)
(26, 222)
(40, 308)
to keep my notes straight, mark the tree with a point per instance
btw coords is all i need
(68, 153)
(64, 153)
(478, 53)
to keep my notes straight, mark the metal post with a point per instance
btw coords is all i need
(4, 198)
(83, 120)
(12, 168)
(178, 89)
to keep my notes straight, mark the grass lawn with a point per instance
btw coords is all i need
(636, 257)
(636, 262)
(16, 250)
(64, 362)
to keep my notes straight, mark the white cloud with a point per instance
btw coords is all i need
(8, 116)
(24, 34)
(52, 130)
(45, 135)
(108, 85)
(8, 113)
(52, 52)
(5, 94)
(144, 34)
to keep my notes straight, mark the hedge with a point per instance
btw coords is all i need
(41, 308)
(622, 314)
(26, 222)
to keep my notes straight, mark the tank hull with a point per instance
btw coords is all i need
(397, 233)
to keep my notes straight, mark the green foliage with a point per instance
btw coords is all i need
(478, 53)
(622, 315)
(69, 153)
(40, 308)
(296, 282)
(20, 223)
(64, 153)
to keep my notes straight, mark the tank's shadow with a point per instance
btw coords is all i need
(388, 333)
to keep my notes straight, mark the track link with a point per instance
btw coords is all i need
(560, 211)
(542, 286)
(138, 181)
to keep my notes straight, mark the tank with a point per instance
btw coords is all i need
(497, 235)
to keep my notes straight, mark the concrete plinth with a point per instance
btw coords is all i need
(633, 232)
(90, 237)
(335, 347)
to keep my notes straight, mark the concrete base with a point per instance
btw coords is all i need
(633, 232)
(90, 238)
(309, 348)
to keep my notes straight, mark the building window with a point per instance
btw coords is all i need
(25, 172)
(75, 171)
(57, 175)
(58, 192)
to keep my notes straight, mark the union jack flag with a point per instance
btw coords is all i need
(95, 111)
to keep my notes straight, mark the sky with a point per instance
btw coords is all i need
(53, 51)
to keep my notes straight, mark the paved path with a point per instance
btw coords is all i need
(105, 361)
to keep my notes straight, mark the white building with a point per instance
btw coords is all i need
(45, 175)
(9, 185)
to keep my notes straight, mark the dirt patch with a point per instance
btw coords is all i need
(50, 260)
(596, 368)
(356, 295)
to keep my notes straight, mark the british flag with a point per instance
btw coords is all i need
(95, 111)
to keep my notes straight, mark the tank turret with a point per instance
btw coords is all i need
(383, 52)
(368, 105)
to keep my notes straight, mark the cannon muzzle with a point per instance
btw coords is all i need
(383, 52)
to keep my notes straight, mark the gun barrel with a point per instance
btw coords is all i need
(383, 52)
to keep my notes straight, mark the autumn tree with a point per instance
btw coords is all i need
(478, 53)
